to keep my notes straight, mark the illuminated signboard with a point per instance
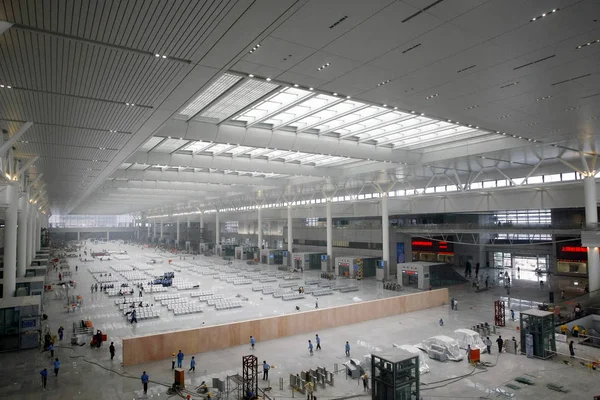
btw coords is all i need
(432, 246)
(571, 251)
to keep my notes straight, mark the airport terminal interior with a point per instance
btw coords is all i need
(278, 199)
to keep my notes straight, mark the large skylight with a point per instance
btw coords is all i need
(298, 157)
(308, 111)
(210, 94)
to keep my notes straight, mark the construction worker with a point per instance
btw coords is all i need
(252, 342)
(318, 340)
(310, 347)
(266, 368)
(347, 349)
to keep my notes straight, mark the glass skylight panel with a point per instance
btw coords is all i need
(170, 145)
(151, 143)
(259, 152)
(356, 116)
(197, 146)
(210, 94)
(276, 154)
(239, 150)
(247, 93)
(328, 113)
(138, 167)
(217, 148)
(276, 102)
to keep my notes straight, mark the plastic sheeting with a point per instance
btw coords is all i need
(423, 367)
(466, 337)
(451, 348)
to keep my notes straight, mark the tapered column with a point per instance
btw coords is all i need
(10, 242)
(24, 241)
(217, 229)
(385, 234)
(177, 222)
(162, 224)
(260, 231)
(591, 220)
(329, 231)
(290, 237)
(32, 211)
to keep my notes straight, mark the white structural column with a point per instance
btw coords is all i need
(217, 229)
(38, 228)
(10, 242)
(591, 220)
(24, 241)
(154, 230)
(147, 223)
(329, 232)
(260, 231)
(290, 236)
(385, 234)
(31, 233)
(162, 224)
(177, 222)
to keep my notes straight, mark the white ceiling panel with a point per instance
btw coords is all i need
(338, 66)
(313, 25)
(435, 45)
(383, 32)
(277, 53)
(447, 10)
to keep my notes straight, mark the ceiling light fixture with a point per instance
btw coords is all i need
(295, 85)
(431, 96)
(383, 83)
(268, 79)
(251, 75)
(254, 48)
(587, 44)
(311, 88)
(322, 67)
(543, 98)
(471, 107)
(544, 15)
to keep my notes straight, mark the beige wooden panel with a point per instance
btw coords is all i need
(142, 349)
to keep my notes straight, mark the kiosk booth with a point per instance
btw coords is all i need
(225, 250)
(246, 252)
(272, 256)
(356, 267)
(21, 322)
(306, 261)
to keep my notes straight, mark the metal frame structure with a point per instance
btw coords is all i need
(499, 313)
(249, 374)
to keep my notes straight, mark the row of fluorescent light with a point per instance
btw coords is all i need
(2, 85)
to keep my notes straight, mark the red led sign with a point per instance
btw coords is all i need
(573, 249)
(422, 243)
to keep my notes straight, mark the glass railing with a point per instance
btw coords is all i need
(590, 303)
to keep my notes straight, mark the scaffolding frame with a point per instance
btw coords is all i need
(250, 374)
(499, 313)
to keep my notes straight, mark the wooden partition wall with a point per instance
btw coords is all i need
(142, 349)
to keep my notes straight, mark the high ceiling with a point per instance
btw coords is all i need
(147, 105)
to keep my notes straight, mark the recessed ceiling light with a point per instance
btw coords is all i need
(543, 15)
(164, 56)
(157, 55)
(311, 88)
(347, 97)
(335, 94)
(385, 105)
(251, 75)
(395, 108)
(268, 79)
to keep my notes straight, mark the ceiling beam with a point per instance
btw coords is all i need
(196, 177)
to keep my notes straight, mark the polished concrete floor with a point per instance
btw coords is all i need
(90, 374)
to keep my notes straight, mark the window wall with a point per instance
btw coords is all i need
(90, 221)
